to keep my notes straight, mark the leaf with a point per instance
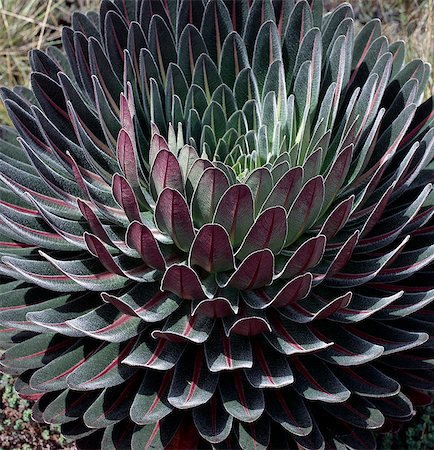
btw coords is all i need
(112, 405)
(305, 209)
(255, 271)
(300, 22)
(254, 434)
(150, 403)
(268, 231)
(157, 354)
(141, 238)
(106, 323)
(235, 212)
(182, 326)
(216, 25)
(165, 173)
(212, 421)
(314, 380)
(124, 195)
(192, 384)
(36, 351)
(260, 183)
(348, 349)
(206, 75)
(103, 368)
(285, 189)
(260, 12)
(115, 34)
(191, 45)
(288, 409)
(189, 12)
(53, 376)
(161, 44)
(68, 406)
(308, 255)
(212, 184)
(184, 282)
(367, 416)
(267, 50)
(173, 217)
(211, 249)
(151, 306)
(337, 218)
(233, 58)
(291, 338)
(227, 352)
(240, 399)
(270, 369)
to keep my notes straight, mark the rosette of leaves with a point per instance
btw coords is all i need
(216, 226)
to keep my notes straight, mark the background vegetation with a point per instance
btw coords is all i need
(27, 24)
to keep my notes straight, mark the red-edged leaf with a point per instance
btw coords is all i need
(66, 407)
(36, 351)
(192, 384)
(253, 434)
(358, 412)
(211, 186)
(240, 399)
(293, 291)
(336, 175)
(140, 237)
(314, 380)
(254, 272)
(315, 307)
(288, 409)
(291, 338)
(286, 189)
(260, 182)
(98, 249)
(103, 368)
(329, 268)
(270, 369)
(268, 231)
(53, 375)
(157, 354)
(227, 352)
(184, 282)
(125, 197)
(305, 209)
(150, 402)
(308, 255)
(181, 326)
(173, 217)
(235, 212)
(157, 143)
(112, 405)
(93, 221)
(150, 304)
(247, 323)
(337, 218)
(108, 324)
(165, 172)
(127, 157)
(212, 250)
(216, 25)
(212, 421)
(218, 306)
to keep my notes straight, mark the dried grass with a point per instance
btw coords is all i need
(27, 24)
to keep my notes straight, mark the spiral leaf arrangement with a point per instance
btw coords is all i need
(216, 226)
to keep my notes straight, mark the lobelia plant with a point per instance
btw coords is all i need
(216, 226)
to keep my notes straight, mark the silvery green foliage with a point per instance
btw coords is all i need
(216, 226)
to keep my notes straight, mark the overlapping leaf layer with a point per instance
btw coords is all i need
(216, 226)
